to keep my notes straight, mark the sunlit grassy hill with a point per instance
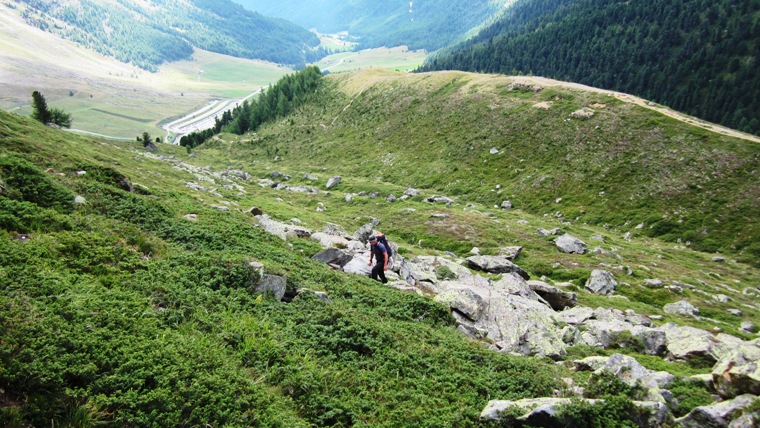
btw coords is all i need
(128, 285)
(584, 156)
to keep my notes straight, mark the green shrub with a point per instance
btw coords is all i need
(688, 395)
(24, 181)
(606, 383)
(26, 217)
(615, 411)
(444, 273)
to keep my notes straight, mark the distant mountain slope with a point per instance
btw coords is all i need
(578, 154)
(699, 57)
(149, 33)
(426, 25)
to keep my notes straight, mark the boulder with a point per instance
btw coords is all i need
(543, 232)
(557, 299)
(511, 252)
(275, 284)
(576, 315)
(630, 372)
(495, 264)
(717, 414)
(505, 205)
(359, 264)
(540, 412)
(686, 342)
(738, 372)
(601, 282)
(411, 192)
(333, 182)
(570, 244)
(333, 256)
(464, 300)
(363, 233)
(682, 308)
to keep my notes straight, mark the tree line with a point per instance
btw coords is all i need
(696, 56)
(278, 101)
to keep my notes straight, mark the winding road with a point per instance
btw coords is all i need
(201, 119)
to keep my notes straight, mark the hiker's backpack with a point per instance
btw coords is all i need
(383, 240)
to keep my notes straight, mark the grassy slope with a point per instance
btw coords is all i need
(121, 310)
(624, 166)
(145, 304)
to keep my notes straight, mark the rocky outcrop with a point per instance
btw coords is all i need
(495, 264)
(716, 415)
(333, 256)
(570, 244)
(738, 371)
(682, 308)
(601, 282)
(556, 298)
(542, 412)
(630, 372)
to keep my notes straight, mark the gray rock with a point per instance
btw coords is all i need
(735, 312)
(682, 308)
(717, 415)
(321, 295)
(601, 282)
(332, 256)
(540, 412)
(570, 244)
(390, 198)
(411, 192)
(747, 420)
(275, 284)
(363, 233)
(557, 299)
(653, 282)
(748, 327)
(495, 264)
(630, 371)
(465, 300)
(80, 199)
(358, 265)
(686, 342)
(543, 232)
(310, 177)
(511, 253)
(333, 182)
(577, 315)
(738, 372)
(506, 205)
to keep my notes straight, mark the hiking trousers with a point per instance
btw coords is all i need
(378, 273)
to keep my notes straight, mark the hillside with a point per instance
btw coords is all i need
(148, 34)
(419, 25)
(142, 288)
(697, 57)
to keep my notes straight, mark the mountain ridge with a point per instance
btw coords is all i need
(147, 35)
(668, 52)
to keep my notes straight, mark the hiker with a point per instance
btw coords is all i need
(380, 253)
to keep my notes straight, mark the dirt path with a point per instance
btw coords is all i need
(542, 81)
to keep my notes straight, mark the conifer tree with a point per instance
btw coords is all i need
(40, 111)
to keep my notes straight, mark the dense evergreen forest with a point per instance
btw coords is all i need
(696, 56)
(149, 36)
(278, 101)
(419, 25)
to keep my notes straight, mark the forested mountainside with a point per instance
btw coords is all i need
(426, 25)
(149, 33)
(696, 56)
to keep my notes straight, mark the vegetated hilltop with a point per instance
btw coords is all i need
(579, 154)
(425, 25)
(699, 57)
(148, 34)
(134, 283)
